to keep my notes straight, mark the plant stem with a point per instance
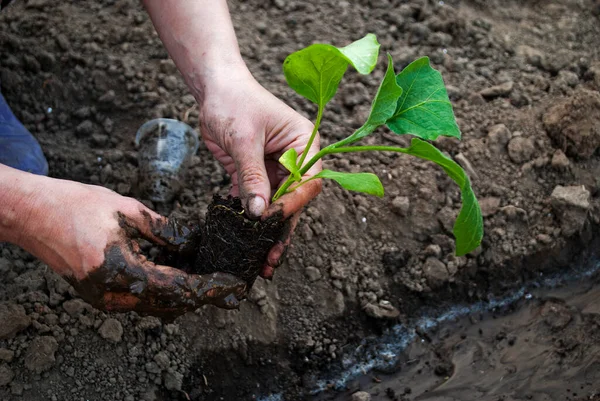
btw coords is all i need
(331, 149)
(290, 180)
(312, 136)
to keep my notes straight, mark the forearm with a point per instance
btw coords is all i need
(199, 36)
(17, 197)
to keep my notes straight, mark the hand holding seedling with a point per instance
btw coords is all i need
(88, 235)
(244, 125)
(413, 102)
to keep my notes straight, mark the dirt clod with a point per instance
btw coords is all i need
(111, 330)
(574, 123)
(6, 375)
(571, 204)
(40, 354)
(13, 320)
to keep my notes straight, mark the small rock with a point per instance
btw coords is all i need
(514, 213)
(435, 272)
(162, 360)
(75, 307)
(63, 42)
(498, 90)
(86, 128)
(313, 273)
(361, 396)
(532, 56)
(574, 124)
(379, 311)
(6, 355)
(13, 318)
(108, 97)
(173, 380)
(111, 330)
(168, 66)
(6, 375)
(433, 250)
(498, 138)
(556, 315)
(520, 150)
(40, 354)
(571, 205)
(152, 367)
(400, 205)
(568, 78)
(560, 161)
(83, 112)
(170, 82)
(489, 205)
(99, 140)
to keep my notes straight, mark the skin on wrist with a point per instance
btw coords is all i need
(18, 191)
(199, 36)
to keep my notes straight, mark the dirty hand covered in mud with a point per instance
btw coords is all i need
(126, 280)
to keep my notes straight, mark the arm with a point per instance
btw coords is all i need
(245, 127)
(84, 233)
(17, 191)
(199, 36)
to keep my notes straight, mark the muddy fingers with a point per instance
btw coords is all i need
(126, 281)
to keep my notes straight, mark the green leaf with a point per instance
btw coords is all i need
(316, 71)
(362, 54)
(289, 160)
(468, 227)
(424, 109)
(360, 182)
(383, 106)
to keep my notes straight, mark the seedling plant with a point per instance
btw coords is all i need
(414, 102)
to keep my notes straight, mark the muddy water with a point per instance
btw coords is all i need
(541, 342)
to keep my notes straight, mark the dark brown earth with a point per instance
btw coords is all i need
(232, 243)
(524, 78)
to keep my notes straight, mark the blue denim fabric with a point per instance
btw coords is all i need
(18, 148)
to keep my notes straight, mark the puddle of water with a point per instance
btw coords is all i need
(383, 353)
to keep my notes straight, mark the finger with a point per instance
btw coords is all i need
(252, 178)
(157, 288)
(294, 201)
(155, 228)
(278, 251)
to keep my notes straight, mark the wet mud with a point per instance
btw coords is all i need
(541, 342)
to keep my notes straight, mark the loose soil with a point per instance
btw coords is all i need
(524, 80)
(232, 243)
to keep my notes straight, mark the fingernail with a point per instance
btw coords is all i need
(256, 206)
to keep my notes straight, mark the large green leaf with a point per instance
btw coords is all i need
(289, 161)
(360, 182)
(468, 228)
(316, 71)
(383, 106)
(424, 109)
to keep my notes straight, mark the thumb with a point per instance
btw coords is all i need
(253, 181)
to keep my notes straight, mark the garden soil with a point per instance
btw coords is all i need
(524, 78)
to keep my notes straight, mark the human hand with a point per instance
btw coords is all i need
(87, 234)
(247, 129)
